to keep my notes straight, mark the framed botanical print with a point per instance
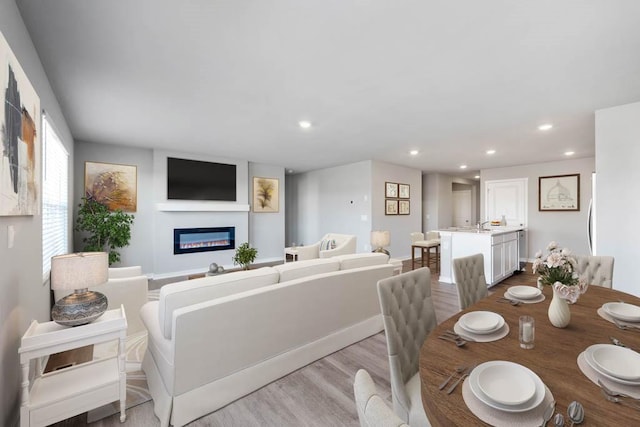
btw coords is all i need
(390, 207)
(403, 207)
(266, 194)
(403, 191)
(390, 189)
(559, 193)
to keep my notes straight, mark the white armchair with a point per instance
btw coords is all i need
(332, 244)
(120, 272)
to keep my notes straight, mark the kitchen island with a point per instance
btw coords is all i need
(498, 245)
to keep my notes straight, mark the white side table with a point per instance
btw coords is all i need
(65, 393)
(291, 251)
(397, 265)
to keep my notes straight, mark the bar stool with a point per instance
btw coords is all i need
(425, 246)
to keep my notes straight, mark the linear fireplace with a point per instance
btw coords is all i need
(189, 240)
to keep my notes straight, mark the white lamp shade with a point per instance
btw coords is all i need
(79, 270)
(380, 239)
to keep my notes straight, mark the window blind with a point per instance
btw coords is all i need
(55, 201)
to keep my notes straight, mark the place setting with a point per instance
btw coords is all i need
(623, 315)
(506, 393)
(523, 295)
(481, 326)
(615, 369)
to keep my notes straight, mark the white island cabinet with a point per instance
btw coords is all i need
(499, 248)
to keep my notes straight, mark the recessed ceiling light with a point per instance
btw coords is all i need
(304, 124)
(414, 152)
(290, 171)
(569, 153)
(477, 177)
(545, 126)
(463, 166)
(491, 151)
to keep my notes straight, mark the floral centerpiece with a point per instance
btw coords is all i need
(557, 270)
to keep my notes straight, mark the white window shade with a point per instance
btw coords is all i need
(55, 206)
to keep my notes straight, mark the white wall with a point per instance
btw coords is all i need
(151, 243)
(266, 230)
(618, 205)
(438, 200)
(23, 296)
(399, 226)
(139, 251)
(332, 200)
(569, 229)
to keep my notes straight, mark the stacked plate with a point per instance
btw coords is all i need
(481, 322)
(616, 363)
(507, 386)
(524, 292)
(622, 311)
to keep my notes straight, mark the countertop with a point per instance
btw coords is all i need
(493, 231)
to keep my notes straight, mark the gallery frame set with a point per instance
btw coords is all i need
(397, 198)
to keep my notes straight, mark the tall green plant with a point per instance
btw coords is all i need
(107, 230)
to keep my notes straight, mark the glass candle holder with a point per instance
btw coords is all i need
(527, 332)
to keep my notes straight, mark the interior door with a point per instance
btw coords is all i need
(462, 208)
(506, 197)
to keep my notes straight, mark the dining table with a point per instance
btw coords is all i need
(553, 358)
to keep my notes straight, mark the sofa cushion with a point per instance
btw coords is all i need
(296, 270)
(188, 292)
(327, 244)
(361, 260)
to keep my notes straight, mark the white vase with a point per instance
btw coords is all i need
(559, 313)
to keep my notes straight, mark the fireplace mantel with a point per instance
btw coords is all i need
(192, 206)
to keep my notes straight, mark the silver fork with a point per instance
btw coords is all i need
(458, 336)
(459, 369)
(610, 392)
(458, 341)
(462, 377)
(624, 327)
(510, 301)
(620, 401)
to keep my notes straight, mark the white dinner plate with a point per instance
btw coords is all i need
(496, 365)
(617, 361)
(524, 292)
(481, 322)
(622, 311)
(507, 384)
(588, 357)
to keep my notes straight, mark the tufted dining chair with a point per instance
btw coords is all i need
(469, 277)
(409, 316)
(595, 270)
(372, 409)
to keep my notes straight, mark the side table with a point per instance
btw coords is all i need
(290, 253)
(397, 265)
(61, 394)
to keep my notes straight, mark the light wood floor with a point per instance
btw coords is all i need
(320, 394)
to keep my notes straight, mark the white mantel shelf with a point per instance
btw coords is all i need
(201, 207)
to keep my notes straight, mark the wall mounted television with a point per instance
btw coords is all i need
(197, 180)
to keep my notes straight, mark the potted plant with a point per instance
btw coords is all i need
(107, 230)
(245, 255)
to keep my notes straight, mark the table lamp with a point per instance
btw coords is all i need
(380, 239)
(79, 271)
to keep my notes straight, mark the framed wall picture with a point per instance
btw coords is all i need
(390, 207)
(266, 197)
(20, 130)
(403, 207)
(403, 191)
(559, 193)
(390, 189)
(113, 185)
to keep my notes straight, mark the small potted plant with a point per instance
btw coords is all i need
(245, 255)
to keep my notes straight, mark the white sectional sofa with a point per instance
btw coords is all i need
(216, 339)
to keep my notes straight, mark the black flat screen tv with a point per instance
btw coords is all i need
(197, 180)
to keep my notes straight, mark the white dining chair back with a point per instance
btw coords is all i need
(469, 278)
(409, 316)
(372, 409)
(595, 270)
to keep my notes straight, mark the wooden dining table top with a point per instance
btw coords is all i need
(553, 359)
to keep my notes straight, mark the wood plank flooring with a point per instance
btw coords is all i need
(318, 395)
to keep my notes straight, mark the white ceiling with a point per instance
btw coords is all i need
(375, 77)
